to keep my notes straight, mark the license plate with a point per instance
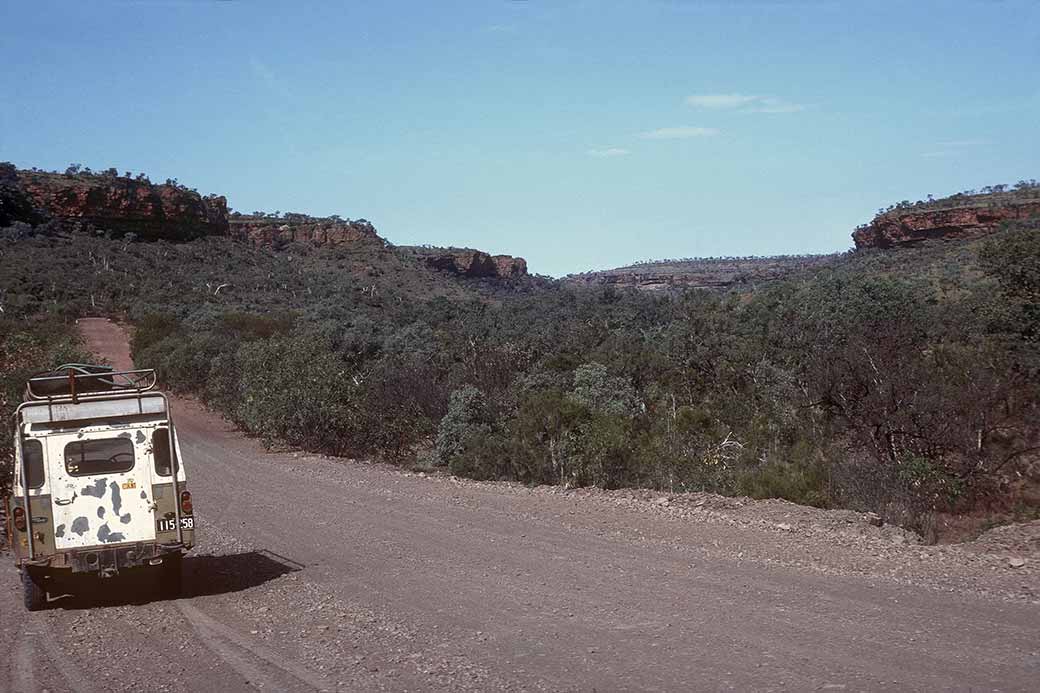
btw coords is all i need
(169, 524)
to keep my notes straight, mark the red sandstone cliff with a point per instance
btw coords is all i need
(172, 212)
(274, 232)
(509, 266)
(299, 228)
(475, 263)
(908, 226)
(124, 205)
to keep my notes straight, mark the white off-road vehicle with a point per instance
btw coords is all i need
(99, 485)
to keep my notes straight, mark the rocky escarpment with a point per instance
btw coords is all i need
(704, 273)
(276, 232)
(975, 217)
(299, 228)
(510, 266)
(41, 202)
(125, 205)
(475, 263)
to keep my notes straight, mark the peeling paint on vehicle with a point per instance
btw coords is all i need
(110, 507)
(117, 501)
(80, 525)
(107, 536)
(60, 531)
(97, 490)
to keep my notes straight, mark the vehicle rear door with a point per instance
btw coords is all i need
(100, 485)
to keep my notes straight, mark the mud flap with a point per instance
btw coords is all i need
(34, 595)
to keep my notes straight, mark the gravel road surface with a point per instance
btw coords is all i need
(321, 574)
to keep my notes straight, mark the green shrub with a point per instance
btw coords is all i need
(805, 481)
(297, 391)
(596, 389)
(485, 456)
(468, 417)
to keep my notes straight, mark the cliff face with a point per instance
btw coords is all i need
(275, 232)
(508, 266)
(298, 228)
(475, 263)
(123, 205)
(908, 227)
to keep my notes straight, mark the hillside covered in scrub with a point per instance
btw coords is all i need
(724, 273)
(968, 214)
(905, 383)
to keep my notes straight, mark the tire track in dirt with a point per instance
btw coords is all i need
(22, 676)
(216, 636)
(75, 680)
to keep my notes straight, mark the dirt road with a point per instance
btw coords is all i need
(319, 574)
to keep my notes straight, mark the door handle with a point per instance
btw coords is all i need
(65, 501)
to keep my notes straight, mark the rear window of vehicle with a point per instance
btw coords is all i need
(32, 453)
(102, 456)
(161, 450)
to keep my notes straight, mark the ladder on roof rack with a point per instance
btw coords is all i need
(86, 381)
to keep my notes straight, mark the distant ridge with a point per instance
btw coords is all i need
(702, 273)
(968, 214)
(36, 202)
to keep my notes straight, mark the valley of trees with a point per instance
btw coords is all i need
(905, 383)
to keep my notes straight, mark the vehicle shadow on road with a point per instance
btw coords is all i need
(202, 576)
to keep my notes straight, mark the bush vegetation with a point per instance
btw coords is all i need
(902, 382)
(28, 346)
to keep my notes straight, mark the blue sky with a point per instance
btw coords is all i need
(580, 135)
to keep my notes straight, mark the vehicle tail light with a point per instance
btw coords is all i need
(19, 519)
(186, 502)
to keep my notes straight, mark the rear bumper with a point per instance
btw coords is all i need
(106, 560)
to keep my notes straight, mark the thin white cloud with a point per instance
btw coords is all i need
(771, 105)
(609, 152)
(682, 132)
(719, 101)
(745, 103)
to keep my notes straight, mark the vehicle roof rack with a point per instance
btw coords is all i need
(73, 382)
